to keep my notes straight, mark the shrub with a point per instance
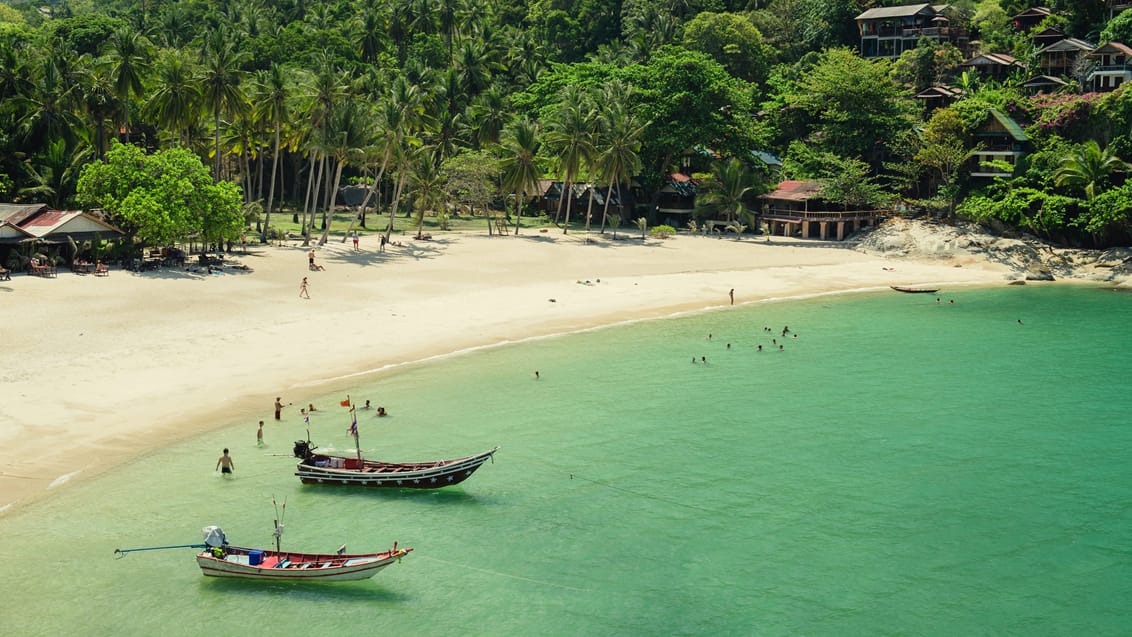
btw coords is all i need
(662, 231)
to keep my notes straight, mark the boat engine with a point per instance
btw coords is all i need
(214, 536)
(303, 449)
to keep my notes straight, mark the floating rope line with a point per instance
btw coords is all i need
(643, 495)
(491, 572)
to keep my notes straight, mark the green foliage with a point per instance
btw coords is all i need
(691, 101)
(1108, 216)
(1062, 114)
(1119, 29)
(1036, 210)
(851, 105)
(733, 41)
(927, 64)
(84, 34)
(161, 198)
(662, 232)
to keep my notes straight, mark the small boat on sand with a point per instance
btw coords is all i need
(909, 290)
(318, 468)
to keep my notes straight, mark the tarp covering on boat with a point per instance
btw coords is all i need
(214, 536)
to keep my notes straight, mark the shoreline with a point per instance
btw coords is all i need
(150, 373)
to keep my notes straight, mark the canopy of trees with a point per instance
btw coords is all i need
(439, 103)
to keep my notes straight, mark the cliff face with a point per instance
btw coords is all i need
(1030, 258)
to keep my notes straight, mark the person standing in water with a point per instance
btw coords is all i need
(259, 435)
(224, 463)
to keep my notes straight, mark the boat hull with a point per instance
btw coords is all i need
(343, 471)
(908, 290)
(285, 566)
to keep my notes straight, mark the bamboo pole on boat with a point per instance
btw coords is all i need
(160, 548)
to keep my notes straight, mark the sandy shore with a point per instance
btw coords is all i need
(98, 370)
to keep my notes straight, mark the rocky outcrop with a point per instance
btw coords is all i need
(1030, 258)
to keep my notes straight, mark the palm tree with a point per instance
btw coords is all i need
(730, 184)
(347, 135)
(407, 98)
(570, 137)
(221, 84)
(1088, 167)
(273, 92)
(99, 102)
(521, 146)
(619, 161)
(176, 100)
(427, 181)
(127, 53)
(46, 108)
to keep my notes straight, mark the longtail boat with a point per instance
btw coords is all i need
(318, 468)
(908, 290)
(221, 559)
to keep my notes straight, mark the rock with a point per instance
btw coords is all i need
(1017, 282)
(1039, 275)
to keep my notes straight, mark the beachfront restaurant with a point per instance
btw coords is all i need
(796, 209)
(27, 230)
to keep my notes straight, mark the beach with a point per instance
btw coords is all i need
(100, 370)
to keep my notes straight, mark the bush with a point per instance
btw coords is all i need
(662, 231)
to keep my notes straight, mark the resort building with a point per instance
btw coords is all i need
(1113, 67)
(796, 208)
(995, 66)
(1000, 139)
(1067, 57)
(886, 32)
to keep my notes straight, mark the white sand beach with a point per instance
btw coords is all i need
(98, 370)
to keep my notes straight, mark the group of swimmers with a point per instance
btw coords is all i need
(759, 347)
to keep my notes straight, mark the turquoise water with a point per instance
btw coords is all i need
(902, 467)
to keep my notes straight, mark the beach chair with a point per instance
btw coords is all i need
(5, 274)
(100, 269)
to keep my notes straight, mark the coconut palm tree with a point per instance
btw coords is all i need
(176, 98)
(100, 102)
(273, 92)
(570, 138)
(618, 160)
(427, 181)
(1088, 167)
(128, 56)
(347, 136)
(521, 145)
(221, 80)
(726, 191)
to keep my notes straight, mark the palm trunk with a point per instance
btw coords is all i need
(518, 210)
(396, 201)
(569, 194)
(271, 188)
(216, 147)
(605, 208)
(308, 221)
(333, 201)
(589, 208)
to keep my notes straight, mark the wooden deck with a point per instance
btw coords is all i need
(789, 223)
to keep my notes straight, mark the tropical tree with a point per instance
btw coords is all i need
(347, 135)
(163, 197)
(570, 138)
(128, 57)
(520, 147)
(273, 92)
(220, 81)
(1088, 168)
(427, 182)
(176, 99)
(728, 190)
(620, 143)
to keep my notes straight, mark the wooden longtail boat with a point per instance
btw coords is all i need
(317, 468)
(220, 559)
(908, 290)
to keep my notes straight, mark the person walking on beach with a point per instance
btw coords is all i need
(304, 291)
(278, 407)
(732, 295)
(224, 463)
(355, 238)
(259, 435)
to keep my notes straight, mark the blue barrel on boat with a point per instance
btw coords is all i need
(255, 558)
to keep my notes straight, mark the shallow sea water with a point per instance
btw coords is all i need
(902, 467)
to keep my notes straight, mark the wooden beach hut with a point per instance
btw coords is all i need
(796, 208)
